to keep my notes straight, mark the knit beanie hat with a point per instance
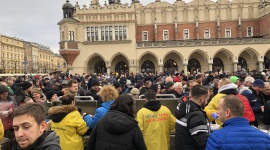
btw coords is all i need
(116, 85)
(258, 83)
(95, 83)
(37, 90)
(135, 91)
(50, 94)
(234, 79)
(169, 84)
(250, 79)
(3, 89)
(26, 85)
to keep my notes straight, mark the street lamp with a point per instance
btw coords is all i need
(25, 62)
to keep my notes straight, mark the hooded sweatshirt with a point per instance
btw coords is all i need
(116, 131)
(156, 122)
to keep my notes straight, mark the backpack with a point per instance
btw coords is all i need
(248, 112)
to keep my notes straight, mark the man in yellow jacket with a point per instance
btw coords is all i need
(155, 122)
(225, 87)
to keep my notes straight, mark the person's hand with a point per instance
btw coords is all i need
(262, 108)
(214, 116)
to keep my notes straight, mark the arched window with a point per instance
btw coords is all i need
(194, 65)
(217, 65)
(266, 63)
(121, 67)
(100, 67)
(242, 63)
(148, 66)
(170, 65)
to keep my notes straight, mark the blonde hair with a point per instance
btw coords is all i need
(108, 92)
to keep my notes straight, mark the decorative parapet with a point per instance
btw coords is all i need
(106, 42)
(68, 45)
(203, 42)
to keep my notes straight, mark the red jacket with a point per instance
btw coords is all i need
(248, 112)
(176, 79)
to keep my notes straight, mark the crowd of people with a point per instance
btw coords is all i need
(40, 112)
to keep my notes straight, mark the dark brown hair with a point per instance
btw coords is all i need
(70, 82)
(67, 99)
(124, 104)
(31, 109)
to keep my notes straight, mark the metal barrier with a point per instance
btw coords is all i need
(170, 103)
(79, 97)
(87, 106)
(163, 96)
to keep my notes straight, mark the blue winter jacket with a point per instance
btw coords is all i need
(100, 112)
(237, 134)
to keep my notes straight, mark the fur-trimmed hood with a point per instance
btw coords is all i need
(57, 113)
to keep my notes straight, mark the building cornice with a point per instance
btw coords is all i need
(203, 42)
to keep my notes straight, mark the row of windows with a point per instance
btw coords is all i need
(11, 56)
(44, 56)
(12, 42)
(106, 33)
(206, 33)
(11, 49)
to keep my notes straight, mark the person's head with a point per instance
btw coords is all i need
(26, 86)
(51, 96)
(135, 93)
(154, 87)
(215, 82)
(3, 92)
(230, 106)
(73, 85)
(28, 100)
(117, 86)
(178, 87)
(37, 93)
(266, 89)
(46, 80)
(190, 84)
(95, 85)
(108, 93)
(258, 85)
(235, 80)
(68, 99)
(224, 81)
(124, 104)
(248, 81)
(168, 79)
(200, 95)
(150, 95)
(28, 124)
(148, 84)
(170, 86)
(198, 79)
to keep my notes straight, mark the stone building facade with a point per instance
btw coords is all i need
(201, 35)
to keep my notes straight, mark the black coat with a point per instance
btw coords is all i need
(116, 131)
(192, 127)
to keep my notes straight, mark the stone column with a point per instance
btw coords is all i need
(185, 69)
(108, 70)
(210, 66)
(160, 68)
(260, 65)
(234, 66)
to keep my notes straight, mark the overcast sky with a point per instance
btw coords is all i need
(36, 20)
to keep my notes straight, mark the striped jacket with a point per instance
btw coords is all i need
(192, 127)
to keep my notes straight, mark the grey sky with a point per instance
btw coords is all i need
(36, 20)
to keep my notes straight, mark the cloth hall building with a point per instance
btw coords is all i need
(201, 35)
